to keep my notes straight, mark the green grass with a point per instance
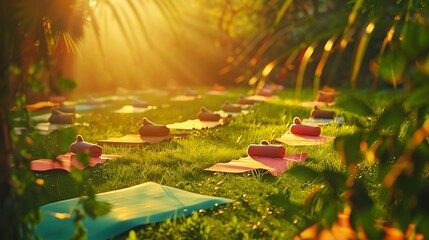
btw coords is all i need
(179, 163)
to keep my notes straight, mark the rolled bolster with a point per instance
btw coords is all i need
(325, 97)
(272, 151)
(140, 104)
(231, 108)
(300, 129)
(317, 113)
(265, 93)
(205, 116)
(244, 101)
(67, 109)
(57, 99)
(64, 118)
(81, 146)
(154, 130)
(92, 149)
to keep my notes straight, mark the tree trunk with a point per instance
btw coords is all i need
(6, 223)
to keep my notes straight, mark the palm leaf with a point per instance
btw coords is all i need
(140, 21)
(281, 12)
(361, 49)
(320, 66)
(120, 22)
(302, 67)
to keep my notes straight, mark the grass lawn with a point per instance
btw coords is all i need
(179, 163)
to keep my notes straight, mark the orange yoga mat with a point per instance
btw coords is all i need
(301, 140)
(41, 105)
(275, 166)
(67, 162)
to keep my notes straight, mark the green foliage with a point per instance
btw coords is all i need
(391, 146)
(33, 39)
(394, 142)
(63, 84)
(357, 106)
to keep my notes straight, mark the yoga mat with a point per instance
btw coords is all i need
(224, 114)
(132, 109)
(323, 121)
(184, 98)
(195, 124)
(99, 100)
(316, 103)
(215, 92)
(259, 98)
(131, 207)
(47, 128)
(156, 92)
(45, 117)
(87, 107)
(275, 166)
(67, 161)
(41, 105)
(132, 140)
(300, 140)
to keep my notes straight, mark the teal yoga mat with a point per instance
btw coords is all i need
(131, 207)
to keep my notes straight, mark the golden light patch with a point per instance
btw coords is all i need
(29, 140)
(40, 181)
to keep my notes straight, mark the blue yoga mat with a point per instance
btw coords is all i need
(131, 207)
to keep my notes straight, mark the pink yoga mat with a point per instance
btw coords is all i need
(67, 162)
(195, 124)
(275, 166)
(300, 140)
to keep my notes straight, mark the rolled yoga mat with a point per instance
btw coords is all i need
(325, 97)
(131, 207)
(266, 150)
(57, 99)
(265, 92)
(228, 107)
(207, 115)
(300, 129)
(58, 117)
(140, 103)
(81, 146)
(319, 113)
(152, 129)
(67, 109)
(244, 101)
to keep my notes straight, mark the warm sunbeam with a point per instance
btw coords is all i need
(180, 50)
